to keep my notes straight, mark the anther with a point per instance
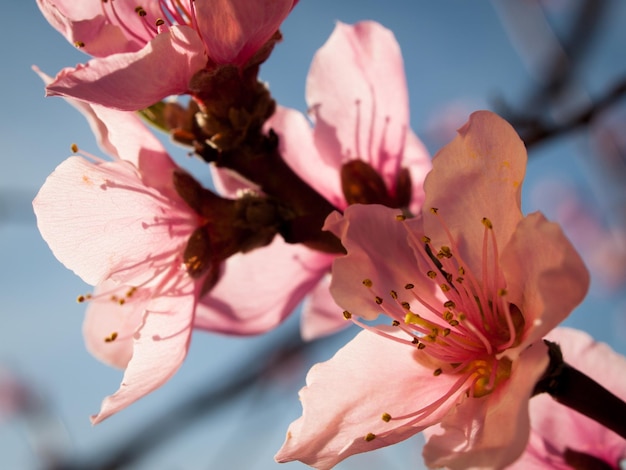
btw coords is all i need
(370, 437)
(487, 223)
(502, 292)
(400, 218)
(437, 372)
(378, 300)
(444, 252)
(445, 332)
(461, 270)
(445, 287)
(406, 305)
(421, 346)
(426, 239)
(79, 44)
(74, 148)
(394, 295)
(449, 304)
(80, 299)
(386, 417)
(140, 11)
(112, 337)
(434, 210)
(347, 315)
(368, 282)
(159, 22)
(409, 286)
(431, 274)
(453, 323)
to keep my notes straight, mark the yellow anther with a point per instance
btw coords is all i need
(502, 292)
(448, 315)
(434, 210)
(121, 301)
(131, 292)
(347, 315)
(112, 337)
(461, 270)
(370, 437)
(400, 218)
(487, 222)
(368, 282)
(406, 305)
(409, 286)
(445, 332)
(426, 239)
(445, 287)
(79, 44)
(431, 274)
(459, 279)
(453, 323)
(449, 304)
(412, 318)
(74, 148)
(80, 299)
(444, 252)
(437, 372)
(386, 417)
(394, 294)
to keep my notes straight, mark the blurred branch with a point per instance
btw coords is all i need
(537, 130)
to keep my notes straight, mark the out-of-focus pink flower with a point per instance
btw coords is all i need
(357, 95)
(146, 53)
(471, 287)
(560, 436)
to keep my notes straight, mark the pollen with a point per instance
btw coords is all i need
(140, 11)
(74, 148)
(347, 315)
(431, 274)
(370, 437)
(79, 44)
(395, 323)
(378, 300)
(112, 337)
(386, 417)
(487, 223)
(406, 305)
(394, 295)
(409, 286)
(400, 218)
(434, 210)
(437, 372)
(449, 304)
(368, 282)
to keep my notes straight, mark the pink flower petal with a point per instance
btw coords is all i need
(160, 345)
(546, 278)
(356, 89)
(492, 431)
(479, 174)
(259, 289)
(377, 250)
(234, 30)
(110, 223)
(106, 316)
(119, 81)
(321, 316)
(83, 25)
(345, 398)
(300, 152)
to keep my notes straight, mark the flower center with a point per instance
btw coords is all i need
(466, 333)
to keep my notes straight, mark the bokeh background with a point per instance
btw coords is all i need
(542, 64)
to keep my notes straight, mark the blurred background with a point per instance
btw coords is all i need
(555, 68)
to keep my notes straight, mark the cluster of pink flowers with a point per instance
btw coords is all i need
(470, 286)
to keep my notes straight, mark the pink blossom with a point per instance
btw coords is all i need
(471, 286)
(559, 434)
(357, 94)
(167, 41)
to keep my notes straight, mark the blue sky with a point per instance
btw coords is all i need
(456, 54)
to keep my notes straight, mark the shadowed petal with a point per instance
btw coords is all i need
(321, 316)
(120, 80)
(276, 280)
